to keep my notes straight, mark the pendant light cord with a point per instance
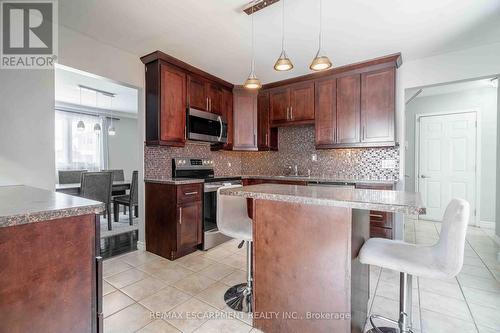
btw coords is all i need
(283, 26)
(253, 41)
(320, 23)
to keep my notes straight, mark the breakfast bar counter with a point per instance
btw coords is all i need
(307, 277)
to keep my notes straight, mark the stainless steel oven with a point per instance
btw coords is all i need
(211, 234)
(206, 126)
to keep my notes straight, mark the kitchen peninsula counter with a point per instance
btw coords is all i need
(306, 241)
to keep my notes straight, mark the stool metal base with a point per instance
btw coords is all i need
(239, 298)
(383, 330)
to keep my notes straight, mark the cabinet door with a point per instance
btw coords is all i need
(263, 135)
(173, 105)
(188, 225)
(197, 95)
(378, 105)
(302, 101)
(227, 113)
(325, 119)
(214, 93)
(348, 109)
(279, 103)
(245, 120)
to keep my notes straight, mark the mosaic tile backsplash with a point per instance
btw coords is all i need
(296, 146)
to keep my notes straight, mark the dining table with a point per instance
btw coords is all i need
(74, 188)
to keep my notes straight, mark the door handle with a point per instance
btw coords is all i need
(424, 176)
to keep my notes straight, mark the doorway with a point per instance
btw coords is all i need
(446, 161)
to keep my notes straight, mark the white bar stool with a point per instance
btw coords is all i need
(233, 221)
(442, 260)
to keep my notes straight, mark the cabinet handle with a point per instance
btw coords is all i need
(267, 138)
(287, 113)
(190, 193)
(207, 105)
(291, 112)
(180, 215)
(377, 216)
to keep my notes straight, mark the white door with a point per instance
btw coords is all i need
(447, 162)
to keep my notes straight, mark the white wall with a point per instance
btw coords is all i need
(123, 147)
(482, 61)
(482, 100)
(27, 128)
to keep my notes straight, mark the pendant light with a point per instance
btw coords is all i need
(283, 63)
(252, 82)
(80, 126)
(97, 126)
(320, 61)
(111, 129)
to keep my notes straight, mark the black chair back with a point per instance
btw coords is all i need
(70, 176)
(134, 188)
(117, 174)
(97, 186)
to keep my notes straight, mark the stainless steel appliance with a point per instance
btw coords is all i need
(206, 126)
(202, 168)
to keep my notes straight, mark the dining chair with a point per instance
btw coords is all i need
(70, 176)
(130, 200)
(118, 175)
(97, 186)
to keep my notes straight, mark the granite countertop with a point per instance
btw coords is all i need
(382, 200)
(321, 179)
(25, 204)
(173, 181)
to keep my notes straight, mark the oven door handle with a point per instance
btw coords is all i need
(219, 118)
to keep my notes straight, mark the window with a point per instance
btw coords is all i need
(77, 149)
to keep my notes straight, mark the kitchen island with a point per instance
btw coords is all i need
(50, 269)
(307, 277)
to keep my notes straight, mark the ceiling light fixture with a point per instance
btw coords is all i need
(283, 63)
(252, 82)
(320, 61)
(80, 126)
(111, 129)
(97, 126)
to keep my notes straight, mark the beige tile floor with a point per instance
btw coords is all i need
(191, 289)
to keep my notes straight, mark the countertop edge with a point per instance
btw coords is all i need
(34, 217)
(392, 208)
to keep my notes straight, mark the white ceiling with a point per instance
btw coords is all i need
(215, 35)
(67, 91)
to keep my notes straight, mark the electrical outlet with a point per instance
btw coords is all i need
(388, 164)
(314, 157)
(229, 164)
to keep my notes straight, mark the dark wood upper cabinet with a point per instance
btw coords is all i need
(227, 113)
(348, 109)
(214, 94)
(325, 105)
(171, 87)
(197, 95)
(279, 103)
(302, 101)
(378, 106)
(245, 119)
(267, 137)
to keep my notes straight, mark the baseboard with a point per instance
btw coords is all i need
(487, 225)
(141, 245)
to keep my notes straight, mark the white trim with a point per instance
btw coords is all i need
(487, 225)
(478, 152)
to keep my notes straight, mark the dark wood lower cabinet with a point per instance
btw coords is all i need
(381, 223)
(173, 219)
(50, 277)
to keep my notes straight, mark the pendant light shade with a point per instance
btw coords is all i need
(80, 126)
(111, 130)
(320, 61)
(97, 128)
(252, 82)
(283, 63)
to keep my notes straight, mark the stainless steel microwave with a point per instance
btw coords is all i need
(206, 126)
